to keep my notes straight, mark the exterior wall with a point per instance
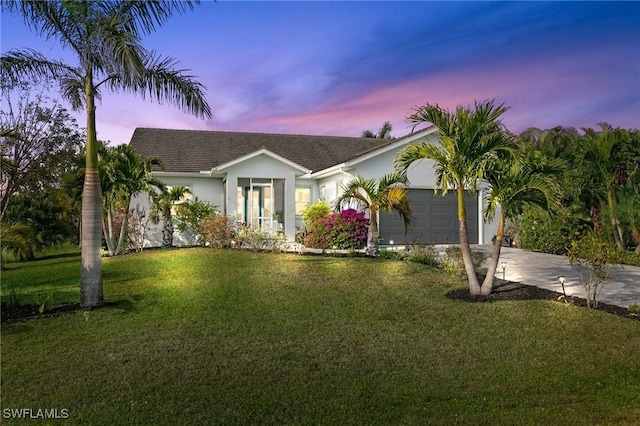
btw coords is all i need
(264, 167)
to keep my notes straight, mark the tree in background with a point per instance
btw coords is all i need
(124, 173)
(163, 204)
(387, 194)
(383, 133)
(470, 142)
(105, 38)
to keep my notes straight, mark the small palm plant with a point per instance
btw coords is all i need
(387, 194)
(163, 204)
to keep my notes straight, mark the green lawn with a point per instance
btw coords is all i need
(204, 336)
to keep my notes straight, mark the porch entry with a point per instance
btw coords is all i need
(260, 202)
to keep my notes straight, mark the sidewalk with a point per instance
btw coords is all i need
(542, 270)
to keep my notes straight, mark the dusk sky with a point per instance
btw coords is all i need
(338, 68)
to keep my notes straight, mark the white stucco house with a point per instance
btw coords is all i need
(269, 179)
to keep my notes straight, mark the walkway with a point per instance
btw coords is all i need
(542, 270)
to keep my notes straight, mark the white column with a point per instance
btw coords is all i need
(290, 207)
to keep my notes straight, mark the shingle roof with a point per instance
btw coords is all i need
(196, 150)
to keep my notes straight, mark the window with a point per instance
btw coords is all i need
(302, 200)
(323, 192)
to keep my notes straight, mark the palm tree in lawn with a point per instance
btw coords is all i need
(531, 181)
(470, 141)
(163, 203)
(105, 38)
(124, 173)
(387, 194)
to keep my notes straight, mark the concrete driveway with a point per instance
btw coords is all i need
(542, 270)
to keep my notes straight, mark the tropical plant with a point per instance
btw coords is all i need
(514, 186)
(105, 38)
(123, 174)
(163, 204)
(383, 133)
(607, 160)
(470, 141)
(190, 215)
(388, 194)
(15, 238)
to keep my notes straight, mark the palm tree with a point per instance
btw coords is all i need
(163, 204)
(383, 133)
(512, 187)
(388, 194)
(124, 173)
(470, 141)
(105, 37)
(605, 154)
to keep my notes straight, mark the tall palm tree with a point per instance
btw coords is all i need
(163, 203)
(124, 173)
(105, 38)
(388, 194)
(532, 181)
(470, 140)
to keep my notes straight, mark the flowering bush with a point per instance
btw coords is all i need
(346, 230)
(550, 235)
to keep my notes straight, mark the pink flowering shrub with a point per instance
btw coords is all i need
(346, 230)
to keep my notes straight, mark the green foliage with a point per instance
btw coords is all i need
(424, 254)
(189, 215)
(593, 258)
(453, 263)
(218, 231)
(634, 309)
(554, 235)
(314, 211)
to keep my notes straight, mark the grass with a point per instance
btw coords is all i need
(204, 336)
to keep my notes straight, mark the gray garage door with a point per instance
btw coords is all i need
(435, 220)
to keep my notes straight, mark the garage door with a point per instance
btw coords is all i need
(435, 220)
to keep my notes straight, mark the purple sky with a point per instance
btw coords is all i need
(338, 68)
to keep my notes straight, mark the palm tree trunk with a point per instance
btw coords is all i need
(108, 232)
(617, 230)
(167, 229)
(487, 284)
(123, 232)
(91, 271)
(373, 236)
(474, 286)
(91, 274)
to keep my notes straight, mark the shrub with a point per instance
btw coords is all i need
(190, 214)
(346, 230)
(424, 254)
(218, 231)
(593, 258)
(550, 235)
(313, 213)
(261, 239)
(453, 262)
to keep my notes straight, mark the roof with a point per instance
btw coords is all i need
(198, 150)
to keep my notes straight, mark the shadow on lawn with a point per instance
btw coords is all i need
(21, 313)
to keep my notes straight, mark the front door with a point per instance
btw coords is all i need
(258, 204)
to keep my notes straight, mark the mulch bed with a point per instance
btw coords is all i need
(507, 290)
(503, 290)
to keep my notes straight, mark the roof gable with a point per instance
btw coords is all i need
(195, 150)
